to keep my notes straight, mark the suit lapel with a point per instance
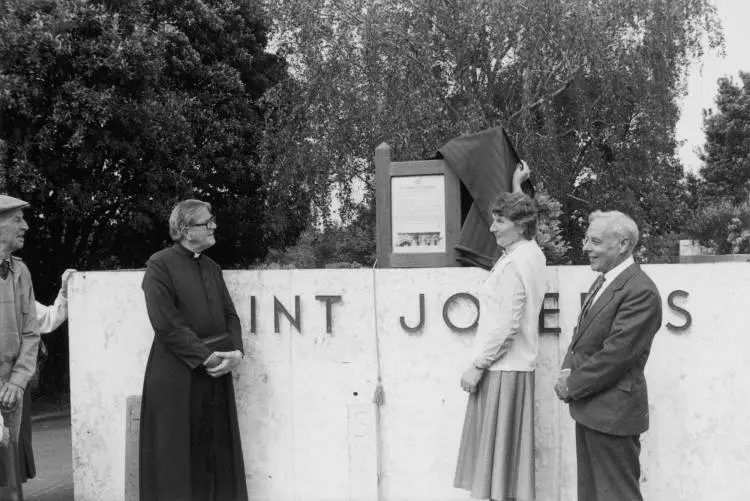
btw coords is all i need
(604, 299)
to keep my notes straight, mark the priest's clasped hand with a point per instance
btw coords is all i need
(228, 360)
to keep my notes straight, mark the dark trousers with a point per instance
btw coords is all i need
(10, 474)
(211, 463)
(25, 452)
(608, 466)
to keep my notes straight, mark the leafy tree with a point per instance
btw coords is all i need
(723, 226)
(586, 89)
(549, 231)
(112, 111)
(334, 245)
(726, 153)
(718, 197)
(353, 244)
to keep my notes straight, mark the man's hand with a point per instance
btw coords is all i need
(10, 395)
(212, 361)
(520, 175)
(65, 278)
(5, 440)
(228, 361)
(470, 379)
(561, 389)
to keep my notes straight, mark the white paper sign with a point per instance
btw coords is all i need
(418, 214)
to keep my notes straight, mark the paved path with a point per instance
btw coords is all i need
(54, 462)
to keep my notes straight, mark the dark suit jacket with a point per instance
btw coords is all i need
(608, 353)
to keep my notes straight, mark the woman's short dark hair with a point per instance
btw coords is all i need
(519, 208)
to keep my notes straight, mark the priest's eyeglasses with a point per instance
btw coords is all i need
(209, 222)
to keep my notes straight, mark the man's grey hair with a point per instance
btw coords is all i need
(183, 215)
(620, 224)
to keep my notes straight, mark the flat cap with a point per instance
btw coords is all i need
(8, 203)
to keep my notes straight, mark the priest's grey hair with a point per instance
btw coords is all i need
(183, 215)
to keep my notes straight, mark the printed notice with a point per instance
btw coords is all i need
(418, 214)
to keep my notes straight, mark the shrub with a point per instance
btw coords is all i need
(549, 233)
(724, 227)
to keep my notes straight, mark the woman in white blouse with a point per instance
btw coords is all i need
(496, 456)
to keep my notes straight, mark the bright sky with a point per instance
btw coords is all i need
(702, 86)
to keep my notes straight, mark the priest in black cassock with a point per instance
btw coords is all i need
(190, 448)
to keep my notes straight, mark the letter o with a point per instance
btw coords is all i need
(454, 297)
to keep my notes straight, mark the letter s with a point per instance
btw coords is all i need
(677, 309)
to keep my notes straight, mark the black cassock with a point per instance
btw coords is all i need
(190, 448)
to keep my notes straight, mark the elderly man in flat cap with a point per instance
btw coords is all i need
(49, 318)
(19, 338)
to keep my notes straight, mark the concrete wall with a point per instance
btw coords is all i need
(692, 252)
(310, 431)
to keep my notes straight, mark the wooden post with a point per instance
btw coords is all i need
(383, 235)
(3, 167)
(132, 438)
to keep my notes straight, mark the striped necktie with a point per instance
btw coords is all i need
(590, 297)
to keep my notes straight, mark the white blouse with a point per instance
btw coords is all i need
(511, 298)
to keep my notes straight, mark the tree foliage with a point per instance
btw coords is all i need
(718, 196)
(587, 91)
(726, 153)
(112, 111)
(549, 230)
(353, 244)
(723, 226)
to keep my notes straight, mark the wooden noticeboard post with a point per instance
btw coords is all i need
(418, 212)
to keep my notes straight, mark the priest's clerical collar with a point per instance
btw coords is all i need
(193, 254)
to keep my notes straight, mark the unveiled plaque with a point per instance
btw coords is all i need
(433, 213)
(418, 214)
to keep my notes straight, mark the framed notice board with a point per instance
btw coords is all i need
(418, 212)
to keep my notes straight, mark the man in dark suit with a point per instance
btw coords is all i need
(602, 378)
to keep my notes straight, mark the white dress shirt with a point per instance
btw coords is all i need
(50, 317)
(510, 300)
(610, 276)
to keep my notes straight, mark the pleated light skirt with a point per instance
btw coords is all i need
(496, 456)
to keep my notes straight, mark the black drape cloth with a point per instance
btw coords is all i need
(484, 162)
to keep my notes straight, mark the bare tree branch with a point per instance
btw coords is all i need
(541, 100)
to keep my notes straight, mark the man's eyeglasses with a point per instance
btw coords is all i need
(209, 221)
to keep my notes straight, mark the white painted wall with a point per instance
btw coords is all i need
(310, 431)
